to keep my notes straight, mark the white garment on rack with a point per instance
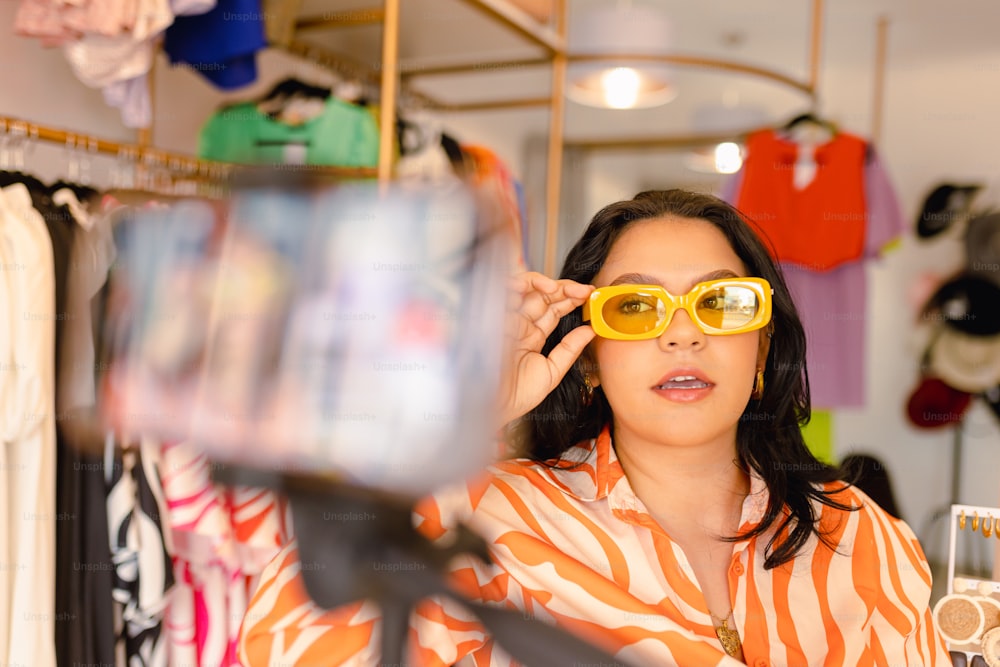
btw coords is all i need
(8, 265)
(132, 98)
(120, 64)
(100, 61)
(27, 522)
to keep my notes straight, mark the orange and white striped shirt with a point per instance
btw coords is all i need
(577, 548)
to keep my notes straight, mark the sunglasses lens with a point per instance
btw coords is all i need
(633, 313)
(728, 307)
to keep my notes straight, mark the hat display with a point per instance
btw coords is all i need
(964, 362)
(982, 244)
(934, 404)
(945, 205)
(967, 302)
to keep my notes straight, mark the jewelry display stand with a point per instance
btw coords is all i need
(968, 617)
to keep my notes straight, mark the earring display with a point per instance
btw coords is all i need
(968, 616)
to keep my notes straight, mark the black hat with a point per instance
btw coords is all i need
(943, 206)
(982, 244)
(967, 302)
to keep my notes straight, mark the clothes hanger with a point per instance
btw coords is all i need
(277, 98)
(809, 118)
(82, 192)
(291, 86)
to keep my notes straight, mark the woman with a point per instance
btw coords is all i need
(668, 509)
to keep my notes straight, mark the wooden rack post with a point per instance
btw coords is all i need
(390, 81)
(881, 36)
(553, 180)
(815, 44)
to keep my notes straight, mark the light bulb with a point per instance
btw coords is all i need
(620, 87)
(727, 158)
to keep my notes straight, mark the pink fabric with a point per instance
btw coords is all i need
(59, 22)
(41, 18)
(222, 538)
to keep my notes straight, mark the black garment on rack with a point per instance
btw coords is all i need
(455, 154)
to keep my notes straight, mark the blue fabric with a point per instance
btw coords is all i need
(222, 44)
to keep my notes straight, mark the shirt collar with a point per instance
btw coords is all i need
(599, 472)
(589, 470)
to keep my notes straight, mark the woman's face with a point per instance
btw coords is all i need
(648, 382)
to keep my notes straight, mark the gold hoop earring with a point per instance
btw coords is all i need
(961, 520)
(758, 385)
(588, 390)
(975, 521)
(988, 526)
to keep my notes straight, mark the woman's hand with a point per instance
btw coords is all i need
(536, 304)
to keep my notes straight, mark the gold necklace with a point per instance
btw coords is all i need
(729, 637)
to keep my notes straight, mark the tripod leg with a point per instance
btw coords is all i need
(395, 633)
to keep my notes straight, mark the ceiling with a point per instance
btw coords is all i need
(770, 33)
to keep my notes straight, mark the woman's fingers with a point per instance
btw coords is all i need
(542, 298)
(536, 305)
(569, 349)
(549, 318)
(534, 376)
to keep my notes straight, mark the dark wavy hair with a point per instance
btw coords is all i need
(768, 437)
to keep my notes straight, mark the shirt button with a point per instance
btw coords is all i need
(738, 568)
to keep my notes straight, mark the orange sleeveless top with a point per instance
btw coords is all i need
(821, 225)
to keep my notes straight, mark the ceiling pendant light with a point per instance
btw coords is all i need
(728, 157)
(606, 64)
(620, 87)
(723, 157)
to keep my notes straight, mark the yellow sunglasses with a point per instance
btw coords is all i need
(717, 307)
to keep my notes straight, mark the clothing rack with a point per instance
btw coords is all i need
(150, 157)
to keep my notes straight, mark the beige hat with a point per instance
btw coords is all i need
(964, 362)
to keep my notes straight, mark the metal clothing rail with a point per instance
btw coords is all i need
(151, 157)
